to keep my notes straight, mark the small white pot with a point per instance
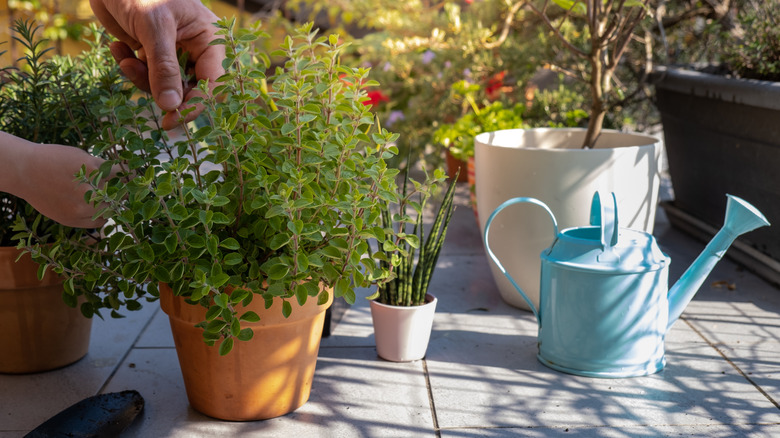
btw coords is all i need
(550, 165)
(402, 333)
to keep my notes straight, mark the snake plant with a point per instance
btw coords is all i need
(411, 256)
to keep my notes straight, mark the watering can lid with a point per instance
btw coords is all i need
(604, 246)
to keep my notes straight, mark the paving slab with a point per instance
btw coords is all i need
(715, 431)
(27, 400)
(354, 394)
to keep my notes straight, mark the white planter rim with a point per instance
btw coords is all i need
(429, 299)
(568, 140)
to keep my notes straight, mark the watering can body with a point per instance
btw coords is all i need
(605, 322)
(605, 305)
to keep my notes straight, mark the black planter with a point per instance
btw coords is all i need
(722, 135)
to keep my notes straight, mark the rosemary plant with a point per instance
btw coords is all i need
(51, 100)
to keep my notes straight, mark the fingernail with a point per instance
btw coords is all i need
(169, 100)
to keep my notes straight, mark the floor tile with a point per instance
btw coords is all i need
(28, 400)
(509, 388)
(714, 431)
(158, 333)
(354, 394)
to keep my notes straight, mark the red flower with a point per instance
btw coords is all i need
(374, 97)
(495, 85)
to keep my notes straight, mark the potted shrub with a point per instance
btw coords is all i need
(45, 101)
(248, 226)
(563, 167)
(402, 309)
(721, 132)
(559, 107)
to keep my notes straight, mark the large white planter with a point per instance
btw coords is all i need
(550, 165)
(402, 333)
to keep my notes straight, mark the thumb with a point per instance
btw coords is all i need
(164, 76)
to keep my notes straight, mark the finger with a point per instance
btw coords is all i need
(160, 47)
(173, 119)
(137, 72)
(209, 64)
(120, 50)
(108, 21)
(132, 68)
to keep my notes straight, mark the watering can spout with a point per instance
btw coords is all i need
(741, 217)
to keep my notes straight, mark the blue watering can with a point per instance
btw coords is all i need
(604, 304)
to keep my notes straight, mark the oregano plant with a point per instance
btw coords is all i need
(273, 193)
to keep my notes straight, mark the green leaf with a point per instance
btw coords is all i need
(286, 309)
(278, 240)
(221, 300)
(196, 241)
(278, 271)
(170, 243)
(215, 326)
(213, 313)
(233, 258)
(576, 6)
(301, 294)
(146, 252)
(287, 128)
(250, 316)
(302, 261)
(226, 346)
(323, 298)
(230, 243)
(211, 245)
(245, 334)
(220, 279)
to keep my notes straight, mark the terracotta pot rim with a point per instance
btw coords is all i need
(177, 308)
(27, 266)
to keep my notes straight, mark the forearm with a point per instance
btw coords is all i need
(14, 154)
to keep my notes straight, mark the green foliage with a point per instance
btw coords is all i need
(559, 108)
(418, 50)
(59, 20)
(406, 254)
(556, 108)
(51, 101)
(459, 136)
(275, 193)
(756, 55)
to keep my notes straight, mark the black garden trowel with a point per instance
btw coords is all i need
(99, 416)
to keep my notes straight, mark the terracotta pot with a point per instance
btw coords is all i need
(268, 376)
(454, 164)
(472, 179)
(402, 332)
(40, 332)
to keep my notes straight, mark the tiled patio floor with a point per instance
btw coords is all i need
(480, 377)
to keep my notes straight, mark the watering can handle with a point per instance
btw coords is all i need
(495, 259)
(603, 213)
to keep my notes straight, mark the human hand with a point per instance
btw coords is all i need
(44, 176)
(149, 32)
